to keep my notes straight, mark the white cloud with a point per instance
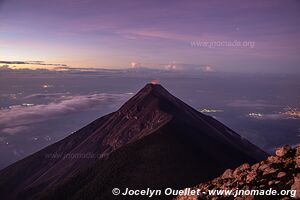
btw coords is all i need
(135, 64)
(45, 95)
(14, 130)
(189, 67)
(17, 118)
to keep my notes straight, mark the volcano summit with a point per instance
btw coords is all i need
(153, 141)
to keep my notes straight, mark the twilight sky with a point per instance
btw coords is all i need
(158, 34)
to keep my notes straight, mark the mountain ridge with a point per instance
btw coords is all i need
(150, 111)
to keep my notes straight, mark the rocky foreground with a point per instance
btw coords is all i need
(279, 172)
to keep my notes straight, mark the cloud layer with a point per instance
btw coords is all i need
(18, 118)
(30, 63)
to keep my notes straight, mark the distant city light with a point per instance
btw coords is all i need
(47, 86)
(27, 104)
(206, 110)
(255, 115)
(293, 113)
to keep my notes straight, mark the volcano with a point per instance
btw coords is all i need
(153, 141)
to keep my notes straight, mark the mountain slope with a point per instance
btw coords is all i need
(279, 172)
(166, 158)
(152, 112)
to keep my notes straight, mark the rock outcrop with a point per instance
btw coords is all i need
(279, 172)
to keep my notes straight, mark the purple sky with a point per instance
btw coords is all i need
(158, 34)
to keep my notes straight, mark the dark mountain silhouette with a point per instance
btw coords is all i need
(154, 140)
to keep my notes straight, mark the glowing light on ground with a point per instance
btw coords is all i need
(154, 82)
(292, 113)
(255, 115)
(47, 86)
(207, 110)
(27, 104)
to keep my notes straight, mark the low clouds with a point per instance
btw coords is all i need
(15, 130)
(135, 64)
(16, 119)
(189, 67)
(38, 119)
(30, 63)
(10, 66)
(45, 95)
